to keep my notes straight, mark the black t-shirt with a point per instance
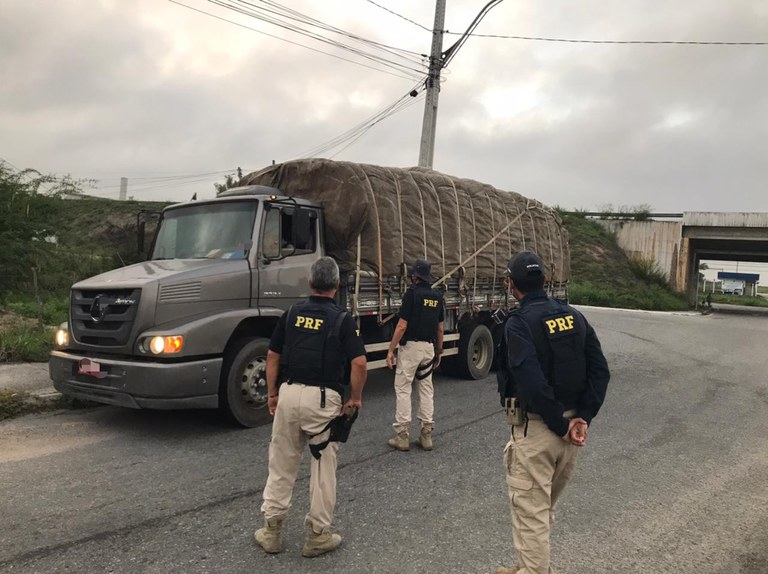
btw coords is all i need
(351, 341)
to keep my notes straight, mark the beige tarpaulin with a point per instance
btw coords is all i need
(401, 214)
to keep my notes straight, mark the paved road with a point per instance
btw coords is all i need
(673, 480)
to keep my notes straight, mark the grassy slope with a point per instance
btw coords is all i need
(93, 235)
(602, 275)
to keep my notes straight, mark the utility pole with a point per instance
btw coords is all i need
(427, 149)
(437, 61)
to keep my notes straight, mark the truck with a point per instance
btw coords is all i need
(189, 327)
(732, 286)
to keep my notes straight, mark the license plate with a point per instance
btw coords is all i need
(91, 369)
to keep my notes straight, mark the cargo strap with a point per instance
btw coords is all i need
(487, 243)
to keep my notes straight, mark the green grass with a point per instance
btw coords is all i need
(602, 274)
(55, 307)
(24, 342)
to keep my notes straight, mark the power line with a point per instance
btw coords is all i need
(298, 16)
(400, 16)
(353, 134)
(172, 178)
(400, 108)
(289, 41)
(649, 42)
(250, 9)
(450, 53)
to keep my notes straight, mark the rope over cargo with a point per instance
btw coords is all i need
(402, 214)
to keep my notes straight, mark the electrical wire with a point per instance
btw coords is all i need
(294, 14)
(401, 108)
(263, 14)
(172, 178)
(400, 16)
(356, 132)
(450, 53)
(649, 42)
(409, 77)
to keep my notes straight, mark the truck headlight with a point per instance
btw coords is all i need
(165, 345)
(62, 337)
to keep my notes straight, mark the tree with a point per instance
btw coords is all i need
(230, 181)
(26, 221)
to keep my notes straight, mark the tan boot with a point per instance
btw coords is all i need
(270, 538)
(425, 439)
(400, 442)
(320, 543)
(505, 570)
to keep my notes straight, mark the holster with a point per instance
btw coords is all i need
(340, 428)
(514, 411)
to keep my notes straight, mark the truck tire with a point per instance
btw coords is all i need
(475, 352)
(243, 386)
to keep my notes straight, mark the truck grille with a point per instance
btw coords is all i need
(104, 317)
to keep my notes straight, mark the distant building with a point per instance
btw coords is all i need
(738, 283)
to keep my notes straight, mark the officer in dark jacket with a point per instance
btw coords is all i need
(418, 339)
(312, 345)
(552, 381)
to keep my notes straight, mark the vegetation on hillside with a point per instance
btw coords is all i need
(602, 274)
(53, 236)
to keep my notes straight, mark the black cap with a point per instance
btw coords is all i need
(524, 264)
(421, 268)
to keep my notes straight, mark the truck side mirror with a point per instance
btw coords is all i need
(141, 230)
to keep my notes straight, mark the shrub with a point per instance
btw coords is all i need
(24, 342)
(648, 270)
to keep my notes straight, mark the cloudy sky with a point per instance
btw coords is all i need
(175, 97)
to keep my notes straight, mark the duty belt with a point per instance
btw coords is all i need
(337, 387)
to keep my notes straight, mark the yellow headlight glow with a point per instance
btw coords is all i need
(62, 337)
(166, 345)
(156, 345)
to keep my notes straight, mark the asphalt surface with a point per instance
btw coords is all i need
(672, 480)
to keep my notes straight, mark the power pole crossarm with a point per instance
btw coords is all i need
(427, 149)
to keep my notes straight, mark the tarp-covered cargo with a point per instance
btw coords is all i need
(396, 215)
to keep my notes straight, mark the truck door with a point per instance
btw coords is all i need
(289, 245)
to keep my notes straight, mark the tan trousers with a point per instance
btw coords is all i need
(298, 416)
(538, 466)
(409, 357)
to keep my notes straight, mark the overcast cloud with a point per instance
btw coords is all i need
(147, 88)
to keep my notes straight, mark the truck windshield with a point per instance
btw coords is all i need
(207, 231)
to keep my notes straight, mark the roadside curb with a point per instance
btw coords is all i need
(29, 378)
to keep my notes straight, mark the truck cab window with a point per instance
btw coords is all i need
(206, 231)
(278, 237)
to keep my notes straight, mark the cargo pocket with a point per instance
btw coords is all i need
(517, 478)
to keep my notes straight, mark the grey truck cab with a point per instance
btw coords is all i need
(190, 327)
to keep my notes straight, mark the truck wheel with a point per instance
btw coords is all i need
(243, 387)
(475, 352)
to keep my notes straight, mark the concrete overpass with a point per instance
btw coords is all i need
(680, 241)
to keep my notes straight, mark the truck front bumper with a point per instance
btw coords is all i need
(138, 384)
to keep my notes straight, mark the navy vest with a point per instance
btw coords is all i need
(559, 334)
(425, 315)
(313, 353)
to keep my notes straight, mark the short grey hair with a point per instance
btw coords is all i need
(324, 274)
